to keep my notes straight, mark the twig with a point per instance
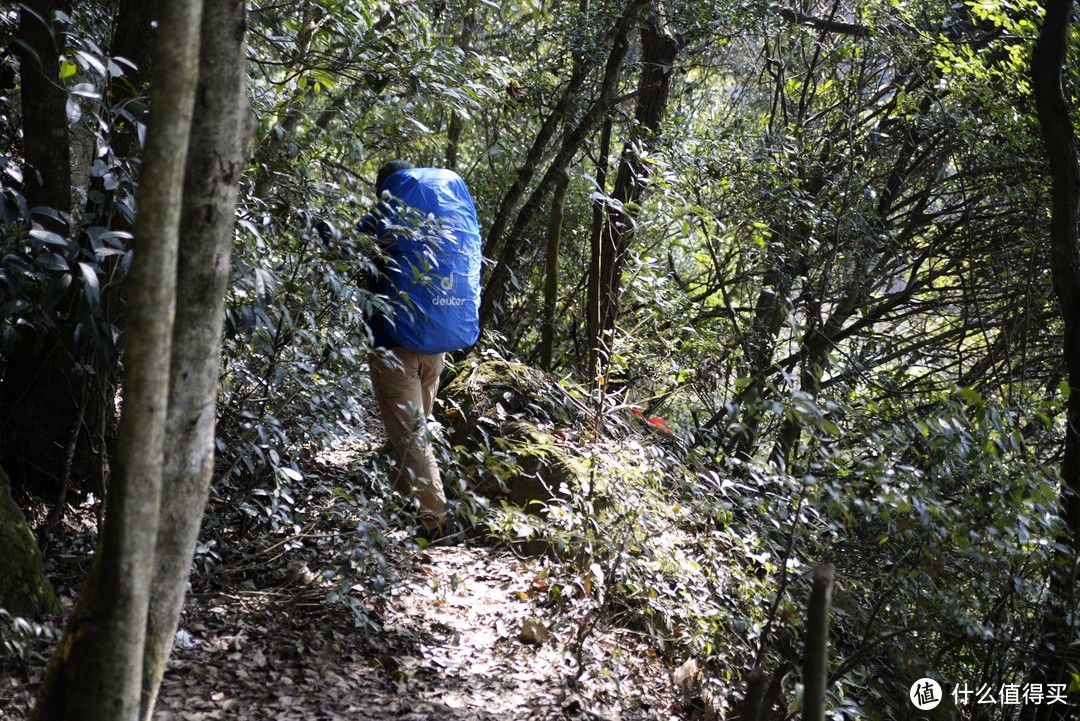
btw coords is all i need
(57, 511)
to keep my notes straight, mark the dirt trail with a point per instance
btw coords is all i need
(464, 633)
(470, 633)
(464, 637)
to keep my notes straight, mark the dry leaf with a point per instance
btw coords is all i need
(534, 631)
(685, 677)
(387, 662)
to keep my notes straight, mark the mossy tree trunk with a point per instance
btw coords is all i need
(24, 590)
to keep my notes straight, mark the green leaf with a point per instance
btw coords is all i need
(85, 90)
(970, 395)
(91, 287)
(51, 261)
(48, 237)
(91, 62)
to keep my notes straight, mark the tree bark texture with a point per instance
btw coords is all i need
(658, 50)
(47, 166)
(816, 653)
(133, 39)
(96, 674)
(24, 589)
(551, 270)
(1052, 660)
(214, 164)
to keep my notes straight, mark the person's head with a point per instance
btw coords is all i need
(389, 168)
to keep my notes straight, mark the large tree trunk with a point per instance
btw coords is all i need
(214, 166)
(1053, 659)
(96, 674)
(47, 167)
(24, 590)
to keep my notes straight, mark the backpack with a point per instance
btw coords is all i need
(432, 273)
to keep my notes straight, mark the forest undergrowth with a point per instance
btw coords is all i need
(613, 568)
(644, 579)
(337, 615)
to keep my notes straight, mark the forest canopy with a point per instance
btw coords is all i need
(798, 280)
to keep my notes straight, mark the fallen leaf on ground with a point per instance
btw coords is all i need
(534, 631)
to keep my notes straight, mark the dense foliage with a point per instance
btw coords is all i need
(832, 284)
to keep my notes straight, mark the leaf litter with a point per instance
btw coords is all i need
(470, 632)
(464, 637)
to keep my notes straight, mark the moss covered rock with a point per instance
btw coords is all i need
(523, 423)
(24, 590)
(497, 389)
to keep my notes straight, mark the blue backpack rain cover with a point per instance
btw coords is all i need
(432, 278)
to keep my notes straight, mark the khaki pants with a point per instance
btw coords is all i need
(405, 384)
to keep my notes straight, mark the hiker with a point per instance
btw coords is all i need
(425, 222)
